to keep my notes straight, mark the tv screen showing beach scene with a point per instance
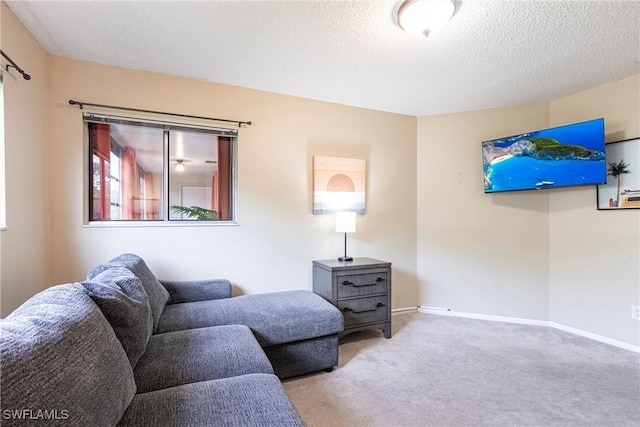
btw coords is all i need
(564, 156)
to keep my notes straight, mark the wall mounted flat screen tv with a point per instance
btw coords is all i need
(563, 156)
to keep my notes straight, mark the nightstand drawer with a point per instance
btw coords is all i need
(356, 285)
(364, 310)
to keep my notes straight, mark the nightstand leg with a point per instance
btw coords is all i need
(387, 331)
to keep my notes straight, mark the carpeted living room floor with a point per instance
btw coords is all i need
(447, 371)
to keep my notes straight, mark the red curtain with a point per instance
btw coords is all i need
(151, 201)
(130, 182)
(101, 146)
(214, 191)
(101, 138)
(224, 178)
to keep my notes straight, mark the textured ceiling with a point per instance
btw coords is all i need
(492, 54)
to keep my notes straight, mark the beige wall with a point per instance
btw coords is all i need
(479, 253)
(24, 257)
(277, 236)
(595, 255)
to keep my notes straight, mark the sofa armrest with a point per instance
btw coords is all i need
(196, 290)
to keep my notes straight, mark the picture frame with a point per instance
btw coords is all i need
(339, 184)
(622, 190)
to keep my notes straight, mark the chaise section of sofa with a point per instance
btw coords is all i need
(297, 329)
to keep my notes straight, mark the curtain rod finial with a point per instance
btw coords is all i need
(79, 104)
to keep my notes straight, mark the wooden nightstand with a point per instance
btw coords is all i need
(361, 289)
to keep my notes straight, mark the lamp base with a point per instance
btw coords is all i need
(345, 258)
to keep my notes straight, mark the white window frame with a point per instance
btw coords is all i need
(165, 222)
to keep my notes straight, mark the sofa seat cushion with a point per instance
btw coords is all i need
(193, 355)
(156, 293)
(274, 318)
(248, 400)
(121, 298)
(60, 357)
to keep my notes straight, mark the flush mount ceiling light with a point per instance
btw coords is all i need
(425, 17)
(179, 165)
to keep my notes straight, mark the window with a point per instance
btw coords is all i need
(157, 171)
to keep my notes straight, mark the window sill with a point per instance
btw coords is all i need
(126, 224)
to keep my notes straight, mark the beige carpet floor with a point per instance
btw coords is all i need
(446, 371)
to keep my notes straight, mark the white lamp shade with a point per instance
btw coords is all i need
(345, 222)
(424, 17)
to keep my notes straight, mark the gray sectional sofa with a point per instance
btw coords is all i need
(123, 348)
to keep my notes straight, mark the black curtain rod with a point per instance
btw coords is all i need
(113, 107)
(14, 65)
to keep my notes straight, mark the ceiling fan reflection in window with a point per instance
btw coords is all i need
(179, 164)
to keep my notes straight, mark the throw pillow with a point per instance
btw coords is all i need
(122, 299)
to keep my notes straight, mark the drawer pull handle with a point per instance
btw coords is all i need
(378, 305)
(348, 283)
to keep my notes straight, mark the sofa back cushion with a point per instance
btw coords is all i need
(62, 362)
(123, 301)
(157, 294)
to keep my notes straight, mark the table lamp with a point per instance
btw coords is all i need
(345, 223)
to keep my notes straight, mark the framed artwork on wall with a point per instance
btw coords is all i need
(622, 190)
(339, 185)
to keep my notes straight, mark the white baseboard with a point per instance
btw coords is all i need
(448, 312)
(580, 332)
(403, 310)
(595, 337)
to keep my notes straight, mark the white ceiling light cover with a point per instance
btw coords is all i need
(425, 17)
